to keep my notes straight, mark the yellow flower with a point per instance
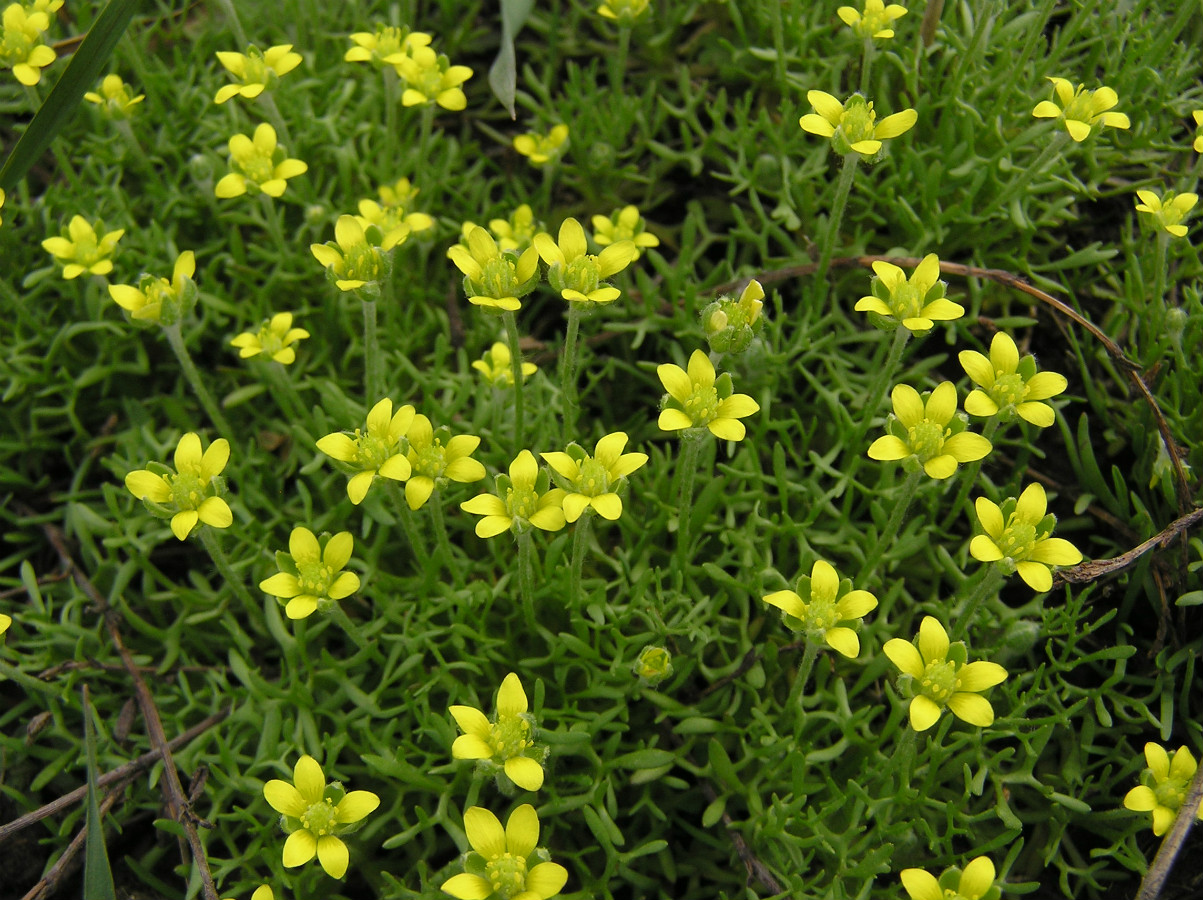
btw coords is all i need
(274, 337)
(311, 575)
(915, 303)
(543, 148)
(49, 7)
(829, 602)
(522, 500)
(430, 78)
(853, 126)
(593, 481)
(1082, 111)
(623, 225)
(398, 197)
(255, 70)
(876, 21)
(21, 46)
(1010, 386)
(625, 12)
(931, 433)
(578, 275)
(355, 258)
(1166, 781)
(390, 220)
(157, 299)
(503, 858)
(82, 249)
(505, 744)
(375, 450)
(5, 621)
(653, 665)
(1197, 115)
(517, 232)
(1017, 538)
(495, 366)
(191, 494)
(1167, 212)
(258, 165)
(975, 883)
(386, 46)
(435, 458)
(114, 98)
(494, 278)
(936, 675)
(696, 399)
(731, 325)
(314, 814)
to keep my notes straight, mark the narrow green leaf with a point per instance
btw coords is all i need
(80, 75)
(503, 74)
(98, 877)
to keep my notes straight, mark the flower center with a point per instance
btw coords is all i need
(510, 736)
(582, 274)
(314, 577)
(593, 479)
(255, 70)
(361, 263)
(907, 300)
(373, 450)
(430, 461)
(1018, 539)
(927, 439)
(821, 614)
(939, 680)
(858, 120)
(1079, 108)
(319, 818)
(429, 82)
(702, 405)
(1170, 793)
(522, 502)
(257, 168)
(15, 46)
(507, 875)
(1009, 389)
(498, 277)
(187, 490)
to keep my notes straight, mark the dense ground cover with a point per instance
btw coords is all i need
(320, 597)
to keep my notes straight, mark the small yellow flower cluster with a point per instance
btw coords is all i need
(542, 149)
(84, 247)
(1082, 112)
(311, 575)
(190, 495)
(697, 400)
(494, 367)
(512, 235)
(114, 99)
(852, 126)
(255, 71)
(258, 165)
(429, 76)
(915, 303)
(22, 43)
(732, 324)
(274, 338)
(928, 433)
(1164, 788)
(157, 299)
(875, 21)
(976, 882)
(393, 214)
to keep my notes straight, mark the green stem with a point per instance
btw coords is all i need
(511, 336)
(1156, 323)
(905, 495)
(354, 632)
(410, 526)
(969, 479)
(372, 363)
(1035, 168)
(580, 541)
(277, 120)
(526, 575)
(778, 26)
(176, 339)
(568, 392)
(227, 572)
(131, 140)
(424, 137)
(440, 535)
(986, 588)
(234, 23)
(691, 445)
(391, 83)
(842, 189)
(618, 62)
(288, 399)
(794, 704)
(865, 66)
(876, 393)
(271, 218)
(904, 755)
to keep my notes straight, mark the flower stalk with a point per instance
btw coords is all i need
(176, 339)
(526, 575)
(691, 446)
(580, 541)
(213, 547)
(809, 654)
(905, 495)
(986, 588)
(372, 363)
(568, 392)
(838, 204)
(511, 335)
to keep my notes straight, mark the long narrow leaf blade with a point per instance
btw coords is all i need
(98, 876)
(81, 73)
(503, 74)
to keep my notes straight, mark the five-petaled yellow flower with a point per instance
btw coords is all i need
(21, 43)
(623, 225)
(255, 70)
(275, 337)
(114, 98)
(386, 46)
(931, 433)
(355, 257)
(853, 126)
(191, 494)
(696, 399)
(430, 78)
(314, 814)
(375, 450)
(494, 278)
(543, 148)
(937, 675)
(495, 366)
(258, 165)
(504, 859)
(311, 575)
(82, 248)
(732, 324)
(1017, 538)
(827, 604)
(1166, 781)
(915, 303)
(1082, 111)
(876, 21)
(976, 882)
(435, 458)
(157, 299)
(522, 500)
(1167, 212)
(1009, 386)
(624, 12)
(593, 481)
(576, 273)
(504, 744)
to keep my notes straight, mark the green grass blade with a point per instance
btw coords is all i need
(98, 877)
(80, 75)
(503, 74)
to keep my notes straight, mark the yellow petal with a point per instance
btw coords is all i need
(332, 854)
(972, 708)
(933, 639)
(524, 772)
(522, 831)
(485, 833)
(924, 713)
(299, 848)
